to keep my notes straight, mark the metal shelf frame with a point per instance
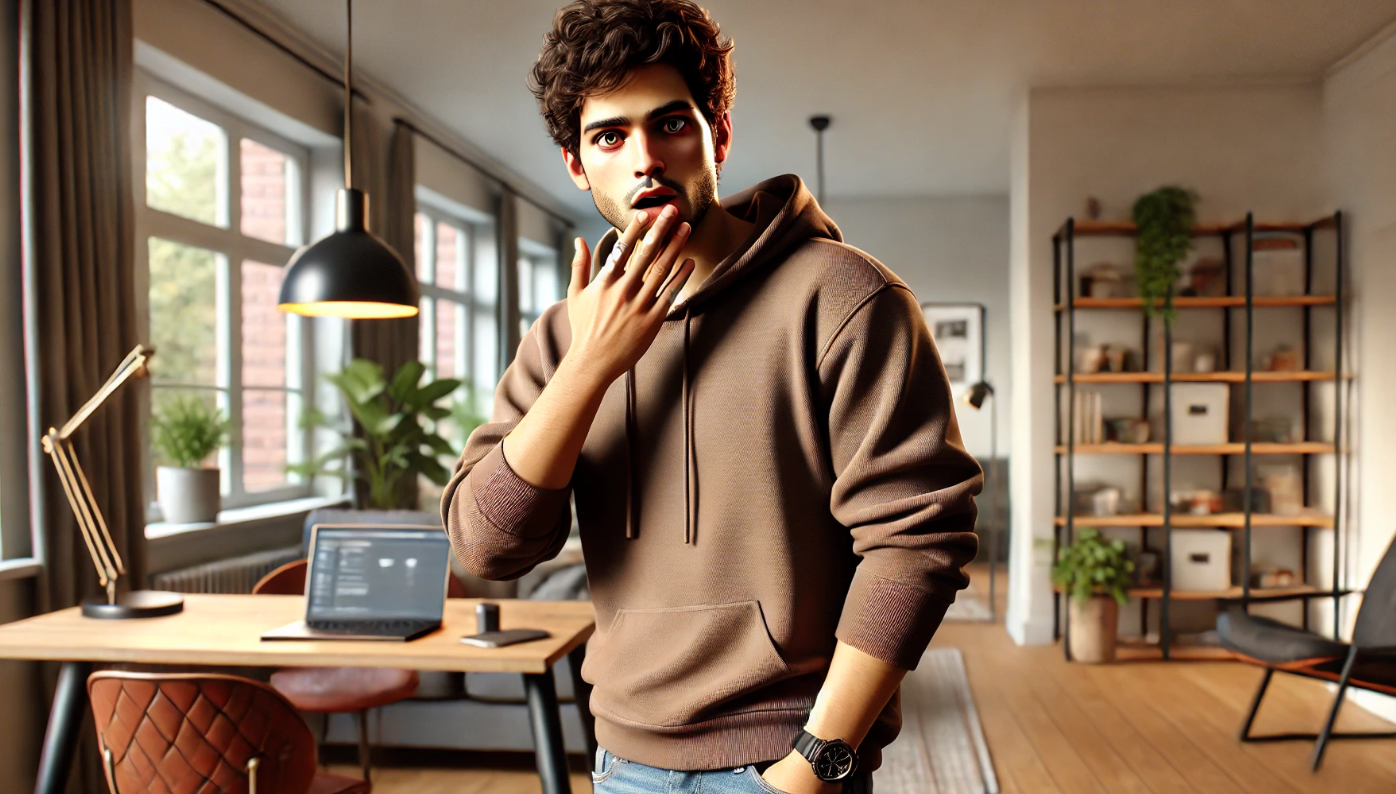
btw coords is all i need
(1067, 304)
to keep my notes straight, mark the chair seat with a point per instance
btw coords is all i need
(327, 783)
(343, 689)
(1271, 641)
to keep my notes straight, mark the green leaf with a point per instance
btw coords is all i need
(405, 381)
(434, 391)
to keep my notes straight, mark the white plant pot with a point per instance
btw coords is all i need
(188, 496)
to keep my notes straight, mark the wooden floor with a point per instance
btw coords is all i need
(1133, 728)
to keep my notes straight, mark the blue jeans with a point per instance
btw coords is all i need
(611, 774)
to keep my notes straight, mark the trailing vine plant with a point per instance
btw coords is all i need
(1164, 219)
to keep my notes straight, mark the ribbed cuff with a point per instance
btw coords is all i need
(889, 620)
(512, 504)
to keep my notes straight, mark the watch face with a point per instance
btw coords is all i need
(836, 761)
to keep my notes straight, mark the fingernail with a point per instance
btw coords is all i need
(684, 228)
(669, 211)
(577, 245)
(641, 216)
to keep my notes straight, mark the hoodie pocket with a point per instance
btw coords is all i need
(675, 666)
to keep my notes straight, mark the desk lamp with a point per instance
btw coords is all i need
(59, 446)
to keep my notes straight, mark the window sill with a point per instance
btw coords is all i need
(21, 568)
(243, 516)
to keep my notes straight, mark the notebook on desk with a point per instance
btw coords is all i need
(372, 582)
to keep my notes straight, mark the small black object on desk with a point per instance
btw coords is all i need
(486, 617)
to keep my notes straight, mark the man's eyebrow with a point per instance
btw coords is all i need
(621, 121)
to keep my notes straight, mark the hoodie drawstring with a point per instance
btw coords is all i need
(690, 465)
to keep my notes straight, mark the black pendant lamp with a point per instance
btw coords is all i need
(351, 273)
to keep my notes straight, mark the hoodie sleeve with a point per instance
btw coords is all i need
(500, 525)
(904, 484)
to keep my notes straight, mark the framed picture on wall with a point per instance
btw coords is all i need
(958, 331)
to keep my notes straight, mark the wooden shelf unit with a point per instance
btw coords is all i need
(1195, 521)
(1239, 298)
(1231, 448)
(1296, 376)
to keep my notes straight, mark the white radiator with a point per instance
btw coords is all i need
(233, 575)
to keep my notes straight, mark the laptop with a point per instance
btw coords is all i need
(372, 582)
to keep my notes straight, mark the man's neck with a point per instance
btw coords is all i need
(714, 238)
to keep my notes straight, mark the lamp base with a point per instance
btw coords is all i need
(136, 604)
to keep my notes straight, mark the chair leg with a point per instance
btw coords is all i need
(1255, 704)
(1337, 706)
(364, 758)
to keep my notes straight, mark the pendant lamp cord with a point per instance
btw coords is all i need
(348, 97)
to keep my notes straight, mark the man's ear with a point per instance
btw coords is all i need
(722, 137)
(575, 170)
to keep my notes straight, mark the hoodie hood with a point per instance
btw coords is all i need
(785, 214)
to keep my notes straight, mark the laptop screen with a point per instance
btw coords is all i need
(375, 573)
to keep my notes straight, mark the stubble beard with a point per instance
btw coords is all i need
(699, 196)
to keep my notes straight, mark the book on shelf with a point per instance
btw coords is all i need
(1088, 422)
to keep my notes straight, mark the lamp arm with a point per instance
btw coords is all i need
(133, 365)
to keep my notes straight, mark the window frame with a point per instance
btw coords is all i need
(232, 248)
(538, 258)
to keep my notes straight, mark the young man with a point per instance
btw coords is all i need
(774, 503)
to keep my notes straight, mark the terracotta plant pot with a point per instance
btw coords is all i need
(188, 496)
(1094, 626)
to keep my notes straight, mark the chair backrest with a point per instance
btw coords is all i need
(196, 733)
(289, 579)
(1376, 618)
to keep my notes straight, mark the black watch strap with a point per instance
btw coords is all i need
(807, 744)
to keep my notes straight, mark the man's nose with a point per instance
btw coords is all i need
(649, 163)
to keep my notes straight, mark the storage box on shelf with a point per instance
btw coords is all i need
(1206, 413)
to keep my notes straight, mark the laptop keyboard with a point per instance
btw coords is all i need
(385, 628)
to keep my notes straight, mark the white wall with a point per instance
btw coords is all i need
(947, 249)
(1241, 147)
(1359, 126)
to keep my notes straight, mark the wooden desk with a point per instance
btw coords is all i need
(227, 630)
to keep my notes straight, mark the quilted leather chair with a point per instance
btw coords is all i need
(1368, 662)
(183, 733)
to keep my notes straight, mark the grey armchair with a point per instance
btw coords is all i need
(1368, 662)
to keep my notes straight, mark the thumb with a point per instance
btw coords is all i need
(581, 267)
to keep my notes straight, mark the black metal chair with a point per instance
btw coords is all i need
(1368, 662)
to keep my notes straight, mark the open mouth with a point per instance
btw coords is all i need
(654, 201)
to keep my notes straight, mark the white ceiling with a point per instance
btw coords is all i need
(921, 93)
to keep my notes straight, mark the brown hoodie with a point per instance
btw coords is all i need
(781, 468)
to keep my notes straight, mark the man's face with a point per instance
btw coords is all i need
(645, 145)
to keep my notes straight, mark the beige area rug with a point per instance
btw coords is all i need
(941, 749)
(968, 608)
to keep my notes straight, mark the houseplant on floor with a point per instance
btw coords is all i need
(186, 431)
(396, 435)
(1095, 573)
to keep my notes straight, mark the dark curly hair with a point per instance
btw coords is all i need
(595, 43)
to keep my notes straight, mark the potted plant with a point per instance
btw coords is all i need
(1095, 573)
(1164, 220)
(395, 438)
(186, 431)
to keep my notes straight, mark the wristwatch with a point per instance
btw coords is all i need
(833, 759)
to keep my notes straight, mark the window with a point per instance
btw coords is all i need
(459, 317)
(224, 209)
(538, 283)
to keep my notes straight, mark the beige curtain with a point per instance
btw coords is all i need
(508, 229)
(80, 218)
(392, 343)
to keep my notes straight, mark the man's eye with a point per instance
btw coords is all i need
(675, 124)
(607, 138)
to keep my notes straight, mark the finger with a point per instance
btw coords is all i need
(659, 270)
(581, 267)
(670, 294)
(652, 244)
(620, 252)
